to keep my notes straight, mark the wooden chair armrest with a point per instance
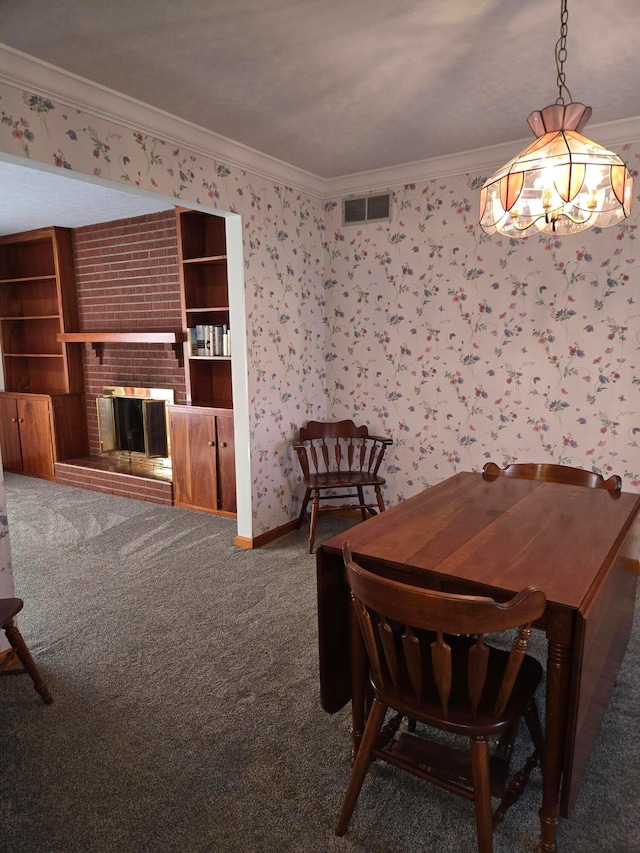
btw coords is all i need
(384, 439)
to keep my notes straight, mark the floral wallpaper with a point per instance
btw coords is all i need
(465, 348)
(460, 347)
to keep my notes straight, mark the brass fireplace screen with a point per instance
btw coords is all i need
(134, 421)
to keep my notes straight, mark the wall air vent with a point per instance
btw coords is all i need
(369, 208)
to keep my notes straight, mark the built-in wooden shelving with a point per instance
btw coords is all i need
(37, 303)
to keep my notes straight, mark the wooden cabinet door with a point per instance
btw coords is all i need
(34, 419)
(194, 462)
(226, 463)
(10, 434)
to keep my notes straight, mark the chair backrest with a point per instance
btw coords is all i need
(393, 618)
(340, 446)
(551, 473)
(332, 429)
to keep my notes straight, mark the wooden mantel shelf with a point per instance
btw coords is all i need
(133, 337)
(98, 339)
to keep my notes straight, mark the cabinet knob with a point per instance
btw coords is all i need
(20, 420)
(211, 443)
(223, 444)
(14, 420)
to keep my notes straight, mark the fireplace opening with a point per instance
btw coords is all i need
(134, 423)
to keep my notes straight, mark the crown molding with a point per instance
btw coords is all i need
(25, 72)
(478, 161)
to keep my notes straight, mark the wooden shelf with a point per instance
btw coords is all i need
(122, 337)
(27, 279)
(27, 318)
(33, 355)
(214, 259)
(210, 357)
(99, 339)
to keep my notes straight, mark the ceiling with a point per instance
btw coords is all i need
(336, 87)
(33, 198)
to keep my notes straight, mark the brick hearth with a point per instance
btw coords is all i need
(101, 474)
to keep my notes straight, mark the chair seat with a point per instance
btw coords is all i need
(9, 607)
(343, 480)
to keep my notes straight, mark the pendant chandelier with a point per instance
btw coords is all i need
(563, 182)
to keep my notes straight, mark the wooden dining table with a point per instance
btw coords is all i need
(495, 537)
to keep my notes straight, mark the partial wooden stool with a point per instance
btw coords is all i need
(9, 608)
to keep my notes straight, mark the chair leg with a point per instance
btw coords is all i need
(18, 644)
(381, 505)
(315, 506)
(532, 720)
(482, 793)
(303, 509)
(363, 511)
(362, 762)
(506, 743)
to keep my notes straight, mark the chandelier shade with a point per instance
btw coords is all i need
(561, 184)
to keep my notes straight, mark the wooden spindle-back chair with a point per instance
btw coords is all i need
(428, 661)
(336, 458)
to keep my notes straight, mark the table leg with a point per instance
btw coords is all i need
(357, 656)
(558, 669)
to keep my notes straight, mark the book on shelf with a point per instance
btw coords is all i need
(217, 340)
(200, 339)
(208, 340)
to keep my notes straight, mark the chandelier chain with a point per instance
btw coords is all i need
(561, 53)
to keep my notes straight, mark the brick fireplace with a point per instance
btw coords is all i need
(127, 278)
